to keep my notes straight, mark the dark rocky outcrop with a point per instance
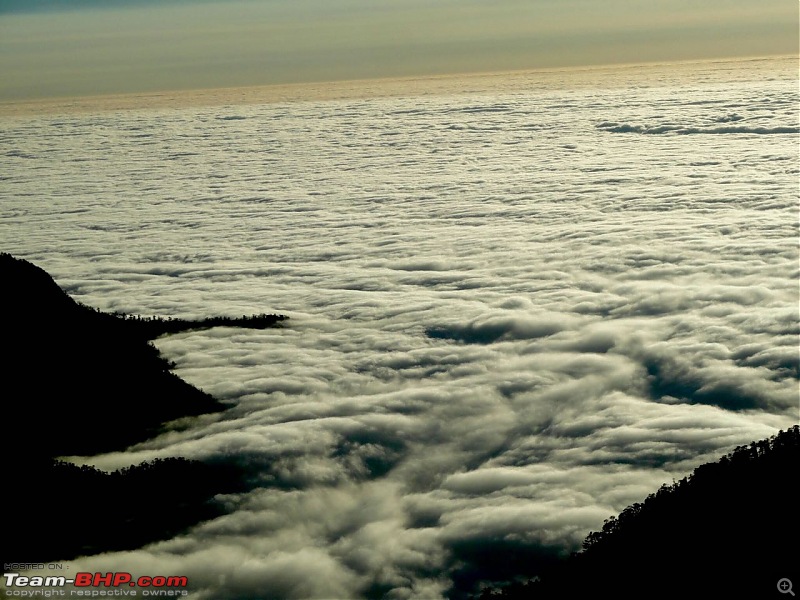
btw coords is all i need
(77, 381)
(728, 530)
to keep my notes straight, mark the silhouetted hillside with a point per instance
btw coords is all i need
(728, 530)
(79, 381)
(57, 511)
(82, 381)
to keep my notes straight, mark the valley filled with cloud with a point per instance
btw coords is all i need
(510, 314)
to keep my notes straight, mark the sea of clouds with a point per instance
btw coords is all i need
(512, 314)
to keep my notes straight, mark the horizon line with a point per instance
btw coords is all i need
(358, 87)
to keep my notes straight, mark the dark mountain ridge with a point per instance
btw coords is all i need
(77, 381)
(83, 381)
(728, 530)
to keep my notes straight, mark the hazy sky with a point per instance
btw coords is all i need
(80, 47)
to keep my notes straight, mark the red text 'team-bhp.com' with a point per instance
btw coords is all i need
(86, 584)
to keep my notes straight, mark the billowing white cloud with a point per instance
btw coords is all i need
(509, 319)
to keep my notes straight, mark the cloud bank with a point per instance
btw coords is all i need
(508, 321)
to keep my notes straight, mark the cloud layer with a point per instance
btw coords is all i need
(508, 320)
